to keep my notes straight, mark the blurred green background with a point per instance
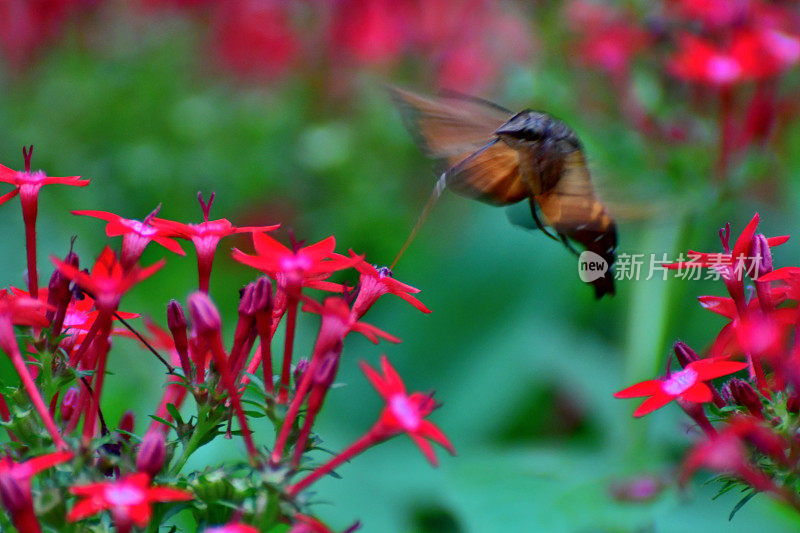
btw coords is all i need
(523, 358)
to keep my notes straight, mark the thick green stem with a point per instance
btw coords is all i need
(193, 444)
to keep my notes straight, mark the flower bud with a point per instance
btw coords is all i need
(13, 495)
(17, 500)
(760, 260)
(152, 453)
(262, 295)
(684, 354)
(176, 322)
(205, 317)
(246, 307)
(126, 423)
(69, 403)
(58, 295)
(638, 489)
(742, 393)
(300, 370)
(245, 328)
(263, 303)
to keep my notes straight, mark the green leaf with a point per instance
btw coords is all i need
(164, 421)
(175, 413)
(740, 504)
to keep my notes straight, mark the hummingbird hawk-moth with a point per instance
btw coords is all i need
(501, 158)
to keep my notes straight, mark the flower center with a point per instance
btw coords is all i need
(723, 69)
(142, 229)
(404, 411)
(679, 382)
(295, 263)
(75, 318)
(123, 495)
(31, 178)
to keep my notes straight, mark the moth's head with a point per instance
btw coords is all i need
(535, 126)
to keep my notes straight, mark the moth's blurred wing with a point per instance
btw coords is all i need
(572, 209)
(491, 175)
(572, 204)
(449, 126)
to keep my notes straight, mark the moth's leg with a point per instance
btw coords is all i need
(539, 221)
(568, 244)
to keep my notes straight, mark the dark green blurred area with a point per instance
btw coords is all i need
(522, 357)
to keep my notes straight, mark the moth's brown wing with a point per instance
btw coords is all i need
(572, 209)
(491, 175)
(449, 126)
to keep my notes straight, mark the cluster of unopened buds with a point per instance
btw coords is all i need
(62, 467)
(755, 440)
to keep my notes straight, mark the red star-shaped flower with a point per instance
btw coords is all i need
(136, 235)
(725, 452)
(205, 237)
(753, 334)
(23, 310)
(687, 384)
(750, 55)
(338, 308)
(108, 281)
(80, 313)
(405, 413)
(129, 499)
(731, 257)
(733, 263)
(698, 60)
(15, 487)
(28, 182)
(306, 266)
(23, 472)
(375, 282)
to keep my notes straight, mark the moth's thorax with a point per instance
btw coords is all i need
(534, 127)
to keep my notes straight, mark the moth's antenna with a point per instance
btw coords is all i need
(436, 193)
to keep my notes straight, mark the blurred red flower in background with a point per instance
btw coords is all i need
(463, 44)
(255, 38)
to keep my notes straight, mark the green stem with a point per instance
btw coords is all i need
(47, 374)
(648, 318)
(193, 444)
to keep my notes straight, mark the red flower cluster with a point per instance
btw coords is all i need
(468, 40)
(757, 413)
(466, 43)
(730, 41)
(27, 25)
(66, 330)
(129, 499)
(718, 47)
